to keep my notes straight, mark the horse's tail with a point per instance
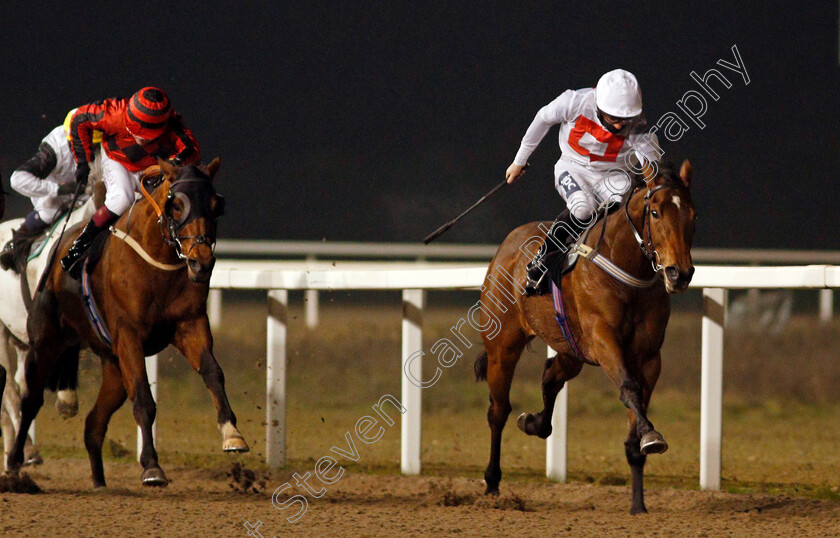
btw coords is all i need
(481, 367)
(65, 373)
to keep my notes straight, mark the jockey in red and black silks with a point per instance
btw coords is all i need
(135, 133)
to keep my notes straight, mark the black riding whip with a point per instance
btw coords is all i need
(79, 189)
(437, 233)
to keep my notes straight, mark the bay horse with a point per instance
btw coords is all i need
(615, 326)
(150, 285)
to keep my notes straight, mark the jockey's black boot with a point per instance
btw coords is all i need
(543, 266)
(71, 263)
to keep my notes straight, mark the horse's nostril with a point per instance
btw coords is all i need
(672, 273)
(194, 264)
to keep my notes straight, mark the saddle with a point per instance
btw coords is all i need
(95, 251)
(560, 263)
(24, 247)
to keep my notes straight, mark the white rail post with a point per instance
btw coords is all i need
(711, 388)
(556, 444)
(310, 300)
(826, 305)
(214, 308)
(412, 342)
(275, 393)
(152, 374)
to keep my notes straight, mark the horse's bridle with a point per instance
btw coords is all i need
(171, 227)
(647, 247)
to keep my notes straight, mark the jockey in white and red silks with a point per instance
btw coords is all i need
(600, 129)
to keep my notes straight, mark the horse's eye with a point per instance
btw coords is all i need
(654, 213)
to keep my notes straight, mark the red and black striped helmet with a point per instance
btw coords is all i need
(147, 114)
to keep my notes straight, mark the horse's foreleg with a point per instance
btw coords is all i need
(630, 381)
(194, 340)
(132, 363)
(555, 375)
(112, 395)
(633, 444)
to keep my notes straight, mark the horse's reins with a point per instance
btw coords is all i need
(48, 268)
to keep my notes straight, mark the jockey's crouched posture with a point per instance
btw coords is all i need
(600, 129)
(135, 132)
(47, 178)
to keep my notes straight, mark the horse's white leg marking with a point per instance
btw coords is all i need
(232, 440)
(66, 403)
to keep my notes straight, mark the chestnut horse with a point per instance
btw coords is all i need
(150, 285)
(616, 326)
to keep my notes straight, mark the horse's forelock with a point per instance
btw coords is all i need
(192, 172)
(667, 174)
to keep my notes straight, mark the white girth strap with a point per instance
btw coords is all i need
(612, 269)
(119, 234)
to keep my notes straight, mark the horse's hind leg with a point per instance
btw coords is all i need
(556, 373)
(37, 368)
(46, 344)
(112, 395)
(501, 363)
(66, 402)
(7, 429)
(193, 339)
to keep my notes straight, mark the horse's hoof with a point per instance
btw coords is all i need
(235, 444)
(154, 477)
(527, 422)
(67, 404)
(653, 443)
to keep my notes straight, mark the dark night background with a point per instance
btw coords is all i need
(380, 121)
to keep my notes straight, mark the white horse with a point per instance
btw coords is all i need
(13, 315)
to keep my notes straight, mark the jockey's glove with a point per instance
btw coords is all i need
(82, 173)
(67, 188)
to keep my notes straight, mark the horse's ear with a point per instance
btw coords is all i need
(170, 171)
(213, 167)
(686, 172)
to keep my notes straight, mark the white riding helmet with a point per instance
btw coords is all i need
(618, 94)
